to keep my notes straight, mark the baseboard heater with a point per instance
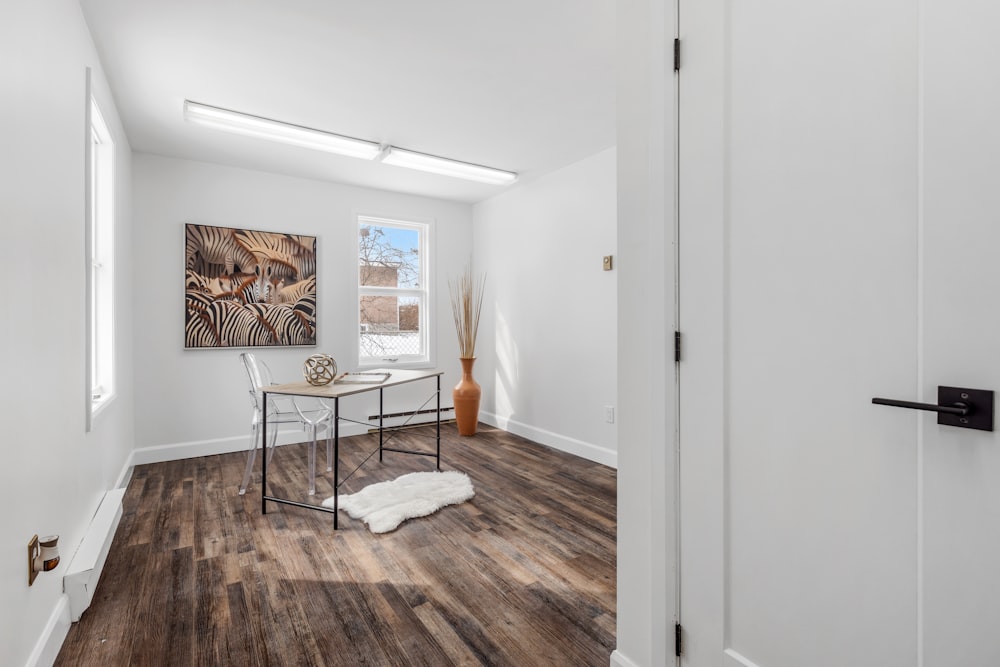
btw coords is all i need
(412, 424)
(80, 581)
(392, 415)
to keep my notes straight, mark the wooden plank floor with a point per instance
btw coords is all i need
(523, 574)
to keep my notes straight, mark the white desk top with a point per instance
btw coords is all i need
(332, 390)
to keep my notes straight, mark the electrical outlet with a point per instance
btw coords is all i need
(32, 552)
(609, 414)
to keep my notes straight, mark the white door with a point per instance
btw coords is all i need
(839, 240)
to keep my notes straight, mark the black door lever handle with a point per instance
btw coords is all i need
(956, 409)
(965, 408)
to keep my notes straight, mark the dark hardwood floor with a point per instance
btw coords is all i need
(523, 574)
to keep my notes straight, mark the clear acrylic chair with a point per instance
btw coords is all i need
(312, 414)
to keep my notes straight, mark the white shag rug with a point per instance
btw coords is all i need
(385, 505)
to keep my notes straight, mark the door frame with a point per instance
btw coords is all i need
(647, 376)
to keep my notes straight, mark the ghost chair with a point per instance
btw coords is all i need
(312, 414)
(319, 416)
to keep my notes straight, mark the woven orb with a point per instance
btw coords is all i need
(319, 369)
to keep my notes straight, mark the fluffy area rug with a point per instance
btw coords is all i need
(385, 505)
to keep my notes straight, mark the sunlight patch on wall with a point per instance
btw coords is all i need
(507, 364)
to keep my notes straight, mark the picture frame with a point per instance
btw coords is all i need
(248, 288)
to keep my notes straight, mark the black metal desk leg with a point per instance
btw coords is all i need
(380, 413)
(263, 459)
(438, 422)
(336, 460)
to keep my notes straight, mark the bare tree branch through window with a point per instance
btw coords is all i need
(390, 277)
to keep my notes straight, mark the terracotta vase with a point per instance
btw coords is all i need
(466, 395)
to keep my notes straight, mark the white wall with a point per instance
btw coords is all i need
(548, 337)
(54, 473)
(195, 402)
(646, 530)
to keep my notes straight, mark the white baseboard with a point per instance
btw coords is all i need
(188, 450)
(619, 660)
(126, 473)
(53, 635)
(586, 450)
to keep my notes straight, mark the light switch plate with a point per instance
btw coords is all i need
(608, 263)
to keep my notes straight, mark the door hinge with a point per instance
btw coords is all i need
(677, 639)
(677, 55)
(677, 346)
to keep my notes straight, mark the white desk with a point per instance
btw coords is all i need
(335, 392)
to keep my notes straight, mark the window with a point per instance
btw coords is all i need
(100, 259)
(393, 300)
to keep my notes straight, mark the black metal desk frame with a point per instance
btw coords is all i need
(305, 390)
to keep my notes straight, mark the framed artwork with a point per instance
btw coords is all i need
(248, 288)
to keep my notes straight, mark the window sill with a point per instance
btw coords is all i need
(98, 406)
(411, 365)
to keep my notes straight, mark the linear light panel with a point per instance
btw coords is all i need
(440, 165)
(273, 130)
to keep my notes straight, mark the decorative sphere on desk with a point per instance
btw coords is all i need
(319, 369)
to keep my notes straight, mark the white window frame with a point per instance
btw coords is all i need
(100, 238)
(426, 358)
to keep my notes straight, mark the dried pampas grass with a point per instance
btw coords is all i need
(466, 304)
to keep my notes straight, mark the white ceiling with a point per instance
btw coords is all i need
(521, 85)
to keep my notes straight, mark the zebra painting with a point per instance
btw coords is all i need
(248, 288)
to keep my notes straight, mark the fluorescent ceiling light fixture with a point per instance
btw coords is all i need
(273, 130)
(440, 165)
